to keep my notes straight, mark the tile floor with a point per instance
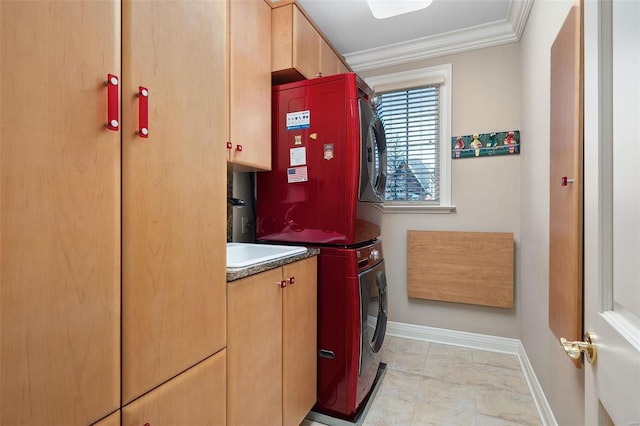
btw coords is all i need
(434, 384)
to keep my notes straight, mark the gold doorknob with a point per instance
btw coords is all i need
(574, 349)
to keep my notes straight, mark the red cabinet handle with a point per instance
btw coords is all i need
(565, 180)
(143, 112)
(112, 102)
(292, 280)
(238, 147)
(283, 284)
(229, 145)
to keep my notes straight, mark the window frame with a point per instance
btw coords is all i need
(415, 78)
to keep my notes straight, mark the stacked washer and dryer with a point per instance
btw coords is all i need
(325, 190)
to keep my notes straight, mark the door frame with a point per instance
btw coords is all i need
(615, 346)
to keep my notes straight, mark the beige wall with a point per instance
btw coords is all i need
(485, 191)
(562, 383)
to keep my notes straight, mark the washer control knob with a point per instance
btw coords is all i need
(375, 254)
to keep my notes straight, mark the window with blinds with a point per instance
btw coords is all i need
(411, 120)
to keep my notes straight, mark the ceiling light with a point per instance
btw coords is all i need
(386, 8)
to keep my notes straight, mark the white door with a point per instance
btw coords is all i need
(612, 210)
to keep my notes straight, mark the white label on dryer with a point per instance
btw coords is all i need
(297, 157)
(298, 120)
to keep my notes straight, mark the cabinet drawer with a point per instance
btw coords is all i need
(195, 397)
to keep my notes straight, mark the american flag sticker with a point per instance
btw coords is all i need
(297, 174)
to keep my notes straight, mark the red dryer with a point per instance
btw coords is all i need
(328, 164)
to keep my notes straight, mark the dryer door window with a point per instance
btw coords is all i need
(373, 155)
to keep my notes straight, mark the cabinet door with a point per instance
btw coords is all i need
(250, 84)
(254, 373)
(281, 38)
(173, 192)
(195, 397)
(299, 340)
(295, 44)
(329, 62)
(306, 45)
(342, 68)
(60, 227)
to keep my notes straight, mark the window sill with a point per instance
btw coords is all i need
(415, 208)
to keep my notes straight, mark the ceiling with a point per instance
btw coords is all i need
(446, 26)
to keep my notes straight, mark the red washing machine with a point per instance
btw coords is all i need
(352, 319)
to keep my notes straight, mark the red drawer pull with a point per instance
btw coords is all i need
(238, 147)
(143, 112)
(229, 145)
(292, 280)
(112, 102)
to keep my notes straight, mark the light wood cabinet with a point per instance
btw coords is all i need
(299, 337)
(60, 217)
(254, 388)
(95, 288)
(272, 345)
(249, 133)
(329, 62)
(173, 276)
(195, 397)
(299, 51)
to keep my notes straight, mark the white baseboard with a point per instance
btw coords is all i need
(486, 343)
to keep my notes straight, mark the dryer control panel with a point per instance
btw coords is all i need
(369, 256)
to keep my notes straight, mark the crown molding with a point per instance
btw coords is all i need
(518, 14)
(487, 35)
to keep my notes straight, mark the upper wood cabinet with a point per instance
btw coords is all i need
(330, 62)
(195, 397)
(60, 227)
(174, 181)
(299, 51)
(272, 345)
(249, 134)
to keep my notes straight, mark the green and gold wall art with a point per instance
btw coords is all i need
(486, 144)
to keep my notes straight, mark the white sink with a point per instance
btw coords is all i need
(242, 255)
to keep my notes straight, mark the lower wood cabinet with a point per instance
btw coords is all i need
(299, 340)
(195, 397)
(272, 329)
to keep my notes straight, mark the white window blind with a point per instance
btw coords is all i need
(411, 120)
